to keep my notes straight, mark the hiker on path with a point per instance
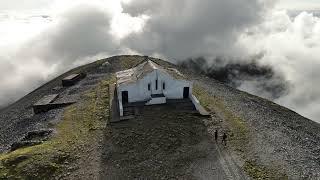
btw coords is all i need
(216, 135)
(224, 139)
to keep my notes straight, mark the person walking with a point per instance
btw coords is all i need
(224, 139)
(216, 135)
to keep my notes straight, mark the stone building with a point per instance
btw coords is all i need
(150, 83)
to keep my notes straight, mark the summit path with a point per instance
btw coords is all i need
(163, 143)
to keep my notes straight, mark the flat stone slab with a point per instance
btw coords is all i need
(47, 100)
(72, 79)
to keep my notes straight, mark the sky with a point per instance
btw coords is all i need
(299, 4)
(41, 39)
(39, 4)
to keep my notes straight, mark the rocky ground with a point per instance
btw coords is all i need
(265, 141)
(165, 143)
(278, 137)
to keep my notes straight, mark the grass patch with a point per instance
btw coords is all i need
(239, 136)
(127, 62)
(82, 123)
(257, 171)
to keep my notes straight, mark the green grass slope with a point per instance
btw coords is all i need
(82, 124)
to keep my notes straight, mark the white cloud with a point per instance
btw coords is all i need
(36, 48)
(298, 4)
(182, 29)
(292, 47)
(124, 24)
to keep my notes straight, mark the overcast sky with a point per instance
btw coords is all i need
(36, 47)
(38, 4)
(299, 4)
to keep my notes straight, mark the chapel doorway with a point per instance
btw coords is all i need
(125, 97)
(186, 92)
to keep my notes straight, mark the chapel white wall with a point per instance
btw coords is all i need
(138, 91)
(174, 88)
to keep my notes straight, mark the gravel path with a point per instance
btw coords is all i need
(279, 136)
(218, 165)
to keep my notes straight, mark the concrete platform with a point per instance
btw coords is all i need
(47, 103)
(47, 99)
(72, 79)
(202, 111)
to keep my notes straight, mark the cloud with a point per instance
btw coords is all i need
(76, 35)
(81, 32)
(247, 75)
(22, 5)
(291, 46)
(237, 31)
(183, 29)
(18, 79)
(78, 32)
(299, 5)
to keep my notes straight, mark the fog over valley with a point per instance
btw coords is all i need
(249, 44)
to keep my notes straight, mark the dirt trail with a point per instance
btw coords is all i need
(230, 167)
(282, 143)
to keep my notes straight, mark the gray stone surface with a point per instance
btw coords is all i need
(46, 100)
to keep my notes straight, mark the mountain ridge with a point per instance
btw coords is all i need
(265, 140)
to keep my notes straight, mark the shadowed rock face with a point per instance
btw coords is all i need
(248, 76)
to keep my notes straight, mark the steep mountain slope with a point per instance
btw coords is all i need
(265, 140)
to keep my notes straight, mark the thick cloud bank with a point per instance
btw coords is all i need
(38, 47)
(285, 48)
(182, 29)
(291, 46)
(246, 75)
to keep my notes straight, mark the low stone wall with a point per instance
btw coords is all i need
(72, 79)
(198, 106)
(120, 108)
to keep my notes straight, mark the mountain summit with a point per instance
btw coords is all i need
(71, 136)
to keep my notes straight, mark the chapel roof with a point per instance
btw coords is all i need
(134, 74)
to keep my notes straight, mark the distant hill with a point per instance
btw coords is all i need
(264, 140)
